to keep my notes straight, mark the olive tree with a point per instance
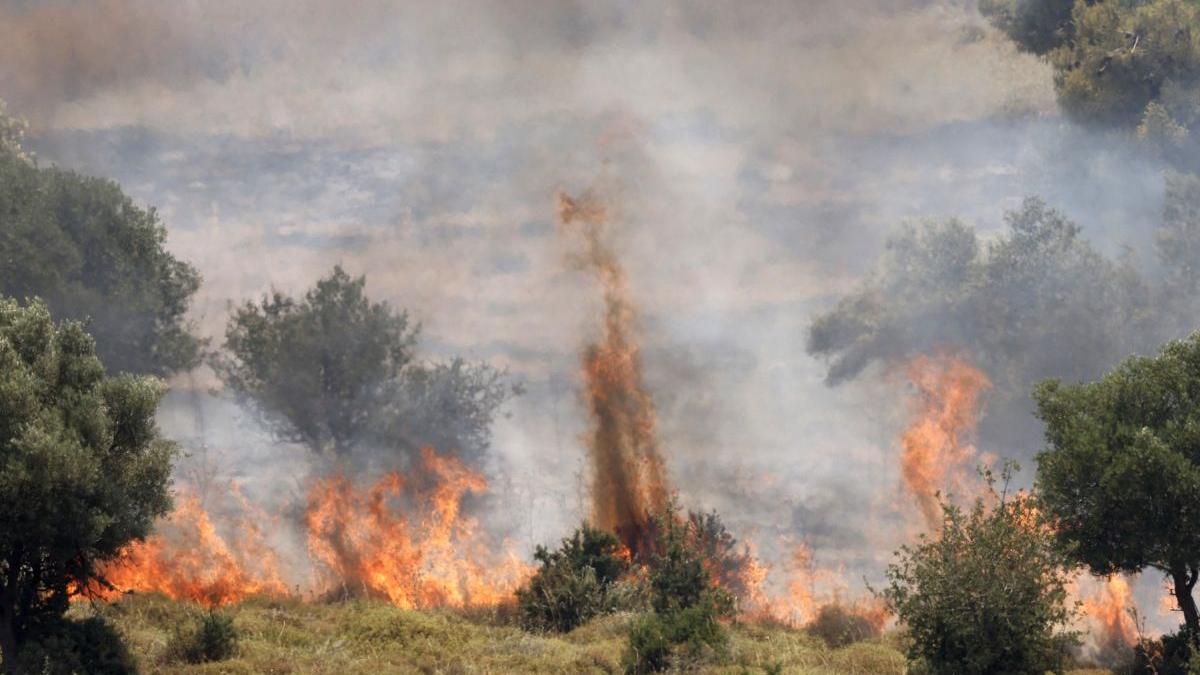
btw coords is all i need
(83, 470)
(335, 371)
(1120, 477)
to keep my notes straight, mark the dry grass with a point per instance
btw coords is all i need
(375, 638)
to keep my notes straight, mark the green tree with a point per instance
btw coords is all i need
(1127, 64)
(84, 247)
(334, 371)
(1120, 477)
(312, 368)
(1038, 300)
(83, 470)
(986, 594)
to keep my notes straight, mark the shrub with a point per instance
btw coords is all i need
(60, 646)
(574, 583)
(657, 640)
(687, 603)
(839, 626)
(214, 638)
(986, 595)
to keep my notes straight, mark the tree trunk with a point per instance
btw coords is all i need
(1184, 580)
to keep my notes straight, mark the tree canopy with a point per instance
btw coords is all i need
(91, 254)
(83, 470)
(1038, 300)
(1126, 64)
(335, 371)
(1120, 477)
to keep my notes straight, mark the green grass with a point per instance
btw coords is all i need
(374, 638)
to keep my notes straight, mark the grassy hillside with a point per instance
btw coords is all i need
(375, 638)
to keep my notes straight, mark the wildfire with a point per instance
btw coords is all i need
(403, 538)
(188, 558)
(806, 588)
(629, 481)
(1108, 612)
(944, 415)
(426, 555)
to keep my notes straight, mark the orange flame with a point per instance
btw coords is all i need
(629, 481)
(1108, 613)
(433, 557)
(188, 559)
(806, 589)
(944, 413)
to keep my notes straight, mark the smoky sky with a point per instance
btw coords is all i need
(754, 155)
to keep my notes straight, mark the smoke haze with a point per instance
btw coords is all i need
(753, 157)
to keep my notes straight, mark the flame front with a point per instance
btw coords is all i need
(426, 555)
(944, 414)
(189, 559)
(629, 481)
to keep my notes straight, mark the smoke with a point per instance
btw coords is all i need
(766, 152)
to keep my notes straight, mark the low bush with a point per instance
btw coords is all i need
(688, 605)
(574, 583)
(214, 638)
(839, 626)
(684, 635)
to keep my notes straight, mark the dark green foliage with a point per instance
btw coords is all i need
(334, 369)
(82, 468)
(1036, 26)
(213, 638)
(1120, 478)
(63, 647)
(839, 626)
(688, 604)
(985, 596)
(574, 583)
(84, 247)
(658, 640)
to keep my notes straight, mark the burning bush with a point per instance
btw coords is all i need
(575, 583)
(987, 595)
